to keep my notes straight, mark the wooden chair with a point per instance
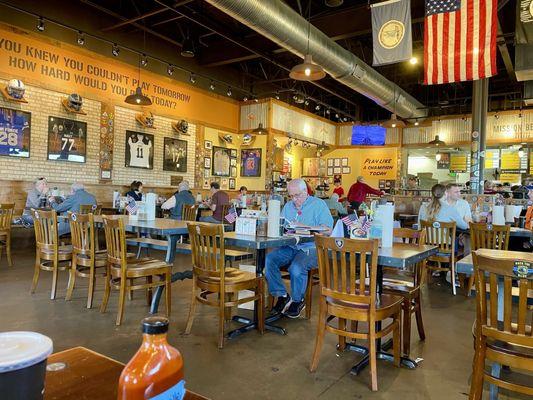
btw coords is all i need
(86, 259)
(49, 255)
(408, 287)
(189, 212)
(95, 209)
(503, 326)
(122, 271)
(345, 296)
(211, 277)
(441, 234)
(483, 236)
(6, 215)
(225, 211)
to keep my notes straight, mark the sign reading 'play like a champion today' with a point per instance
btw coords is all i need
(380, 163)
(64, 68)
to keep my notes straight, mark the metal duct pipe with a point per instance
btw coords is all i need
(280, 23)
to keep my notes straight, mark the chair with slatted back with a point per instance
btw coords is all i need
(49, 255)
(225, 211)
(211, 278)
(86, 258)
(189, 212)
(504, 319)
(407, 285)
(6, 215)
(483, 236)
(345, 266)
(442, 235)
(95, 209)
(123, 271)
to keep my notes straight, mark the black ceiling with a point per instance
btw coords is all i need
(227, 47)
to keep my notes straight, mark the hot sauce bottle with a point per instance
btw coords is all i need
(156, 370)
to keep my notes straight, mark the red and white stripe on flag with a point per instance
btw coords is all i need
(460, 45)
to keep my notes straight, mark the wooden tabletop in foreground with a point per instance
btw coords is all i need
(88, 375)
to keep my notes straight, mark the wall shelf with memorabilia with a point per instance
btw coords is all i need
(68, 108)
(146, 120)
(8, 97)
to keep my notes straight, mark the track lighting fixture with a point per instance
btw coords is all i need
(40, 24)
(144, 60)
(212, 86)
(192, 79)
(81, 38)
(229, 92)
(115, 50)
(170, 69)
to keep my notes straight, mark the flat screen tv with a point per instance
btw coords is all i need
(368, 135)
(15, 129)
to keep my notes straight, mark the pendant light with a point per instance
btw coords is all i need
(138, 98)
(187, 49)
(260, 130)
(308, 70)
(437, 142)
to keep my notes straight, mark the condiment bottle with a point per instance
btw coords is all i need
(156, 370)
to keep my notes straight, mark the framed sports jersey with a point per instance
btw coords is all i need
(221, 161)
(67, 140)
(139, 150)
(251, 162)
(175, 155)
(15, 128)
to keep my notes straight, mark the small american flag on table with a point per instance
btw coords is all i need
(350, 219)
(232, 215)
(459, 40)
(132, 206)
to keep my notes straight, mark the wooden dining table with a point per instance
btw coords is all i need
(82, 374)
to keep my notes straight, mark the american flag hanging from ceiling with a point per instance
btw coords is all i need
(459, 40)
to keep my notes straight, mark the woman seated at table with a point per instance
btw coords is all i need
(243, 191)
(136, 191)
(437, 210)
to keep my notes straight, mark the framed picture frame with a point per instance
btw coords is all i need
(251, 162)
(337, 170)
(220, 165)
(233, 162)
(67, 140)
(330, 162)
(207, 173)
(330, 171)
(206, 184)
(15, 133)
(233, 172)
(336, 162)
(346, 170)
(231, 184)
(344, 162)
(208, 144)
(139, 150)
(207, 162)
(224, 183)
(175, 155)
(234, 153)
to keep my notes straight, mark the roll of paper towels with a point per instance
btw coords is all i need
(274, 211)
(385, 214)
(498, 215)
(512, 212)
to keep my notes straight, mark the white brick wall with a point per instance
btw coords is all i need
(44, 103)
(125, 121)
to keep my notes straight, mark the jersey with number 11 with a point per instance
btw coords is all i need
(139, 153)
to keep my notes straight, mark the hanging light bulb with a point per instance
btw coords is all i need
(81, 38)
(138, 98)
(307, 71)
(170, 69)
(115, 50)
(144, 60)
(416, 122)
(40, 24)
(260, 130)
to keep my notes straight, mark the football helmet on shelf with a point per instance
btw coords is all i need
(16, 89)
(75, 101)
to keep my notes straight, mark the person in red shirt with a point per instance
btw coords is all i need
(338, 190)
(358, 192)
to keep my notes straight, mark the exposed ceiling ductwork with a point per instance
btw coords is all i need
(280, 23)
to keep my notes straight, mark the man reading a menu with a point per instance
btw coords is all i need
(302, 210)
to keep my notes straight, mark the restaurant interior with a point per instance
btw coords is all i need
(216, 199)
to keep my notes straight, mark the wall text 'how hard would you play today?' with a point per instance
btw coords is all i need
(61, 68)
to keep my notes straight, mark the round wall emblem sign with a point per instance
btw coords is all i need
(475, 134)
(391, 34)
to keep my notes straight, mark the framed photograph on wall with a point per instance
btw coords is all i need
(330, 171)
(224, 183)
(206, 184)
(233, 162)
(139, 150)
(207, 162)
(344, 162)
(337, 170)
(330, 162)
(231, 184)
(251, 162)
(67, 140)
(234, 153)
(221, 161)
(346, 170)
(208, 144)
(207, 173)
(15, 132)
(234, 172)
(336, 162)
(175, 155)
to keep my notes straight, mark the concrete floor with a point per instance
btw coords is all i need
(251, 366)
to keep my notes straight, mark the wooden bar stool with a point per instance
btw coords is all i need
(212, 278)
(85, 258)
(345, 265)
(49, 255)
(483, 236)
(504, 317)
(6, 215)
(408, 287)
(122, 271)
(441, 234)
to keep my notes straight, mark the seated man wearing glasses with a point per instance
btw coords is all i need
(302, 209)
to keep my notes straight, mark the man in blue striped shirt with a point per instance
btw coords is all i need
(302, 209)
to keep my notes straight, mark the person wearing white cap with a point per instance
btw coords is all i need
(178, 200)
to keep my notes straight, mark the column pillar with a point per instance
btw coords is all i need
(480, 99)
